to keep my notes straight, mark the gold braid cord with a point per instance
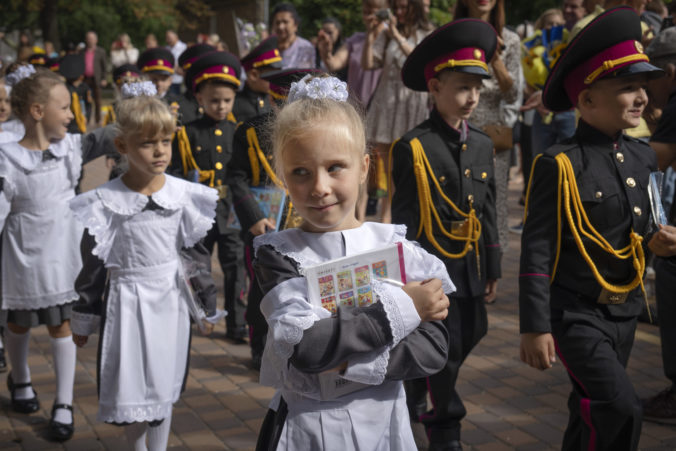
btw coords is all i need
(188, 160)
(568, 195)
(77, 112)
(423, 170)
(257, 159)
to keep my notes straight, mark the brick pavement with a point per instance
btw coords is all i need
(510, 406)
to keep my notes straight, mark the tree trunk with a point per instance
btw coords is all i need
(50, 24)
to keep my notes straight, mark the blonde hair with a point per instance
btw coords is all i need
(144, 116)
(32, 89)
(298, 119)
(539, 23)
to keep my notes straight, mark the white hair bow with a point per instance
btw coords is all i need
(318, 88)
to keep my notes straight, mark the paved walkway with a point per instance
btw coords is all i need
(510, 406)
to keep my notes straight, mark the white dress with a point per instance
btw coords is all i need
(144, 346)
(41, 239)
(374, 418)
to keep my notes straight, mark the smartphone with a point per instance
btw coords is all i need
(383, 14)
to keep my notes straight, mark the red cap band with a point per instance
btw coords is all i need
(468, 56)
(602, 64)
(158, 65)
(221, 72)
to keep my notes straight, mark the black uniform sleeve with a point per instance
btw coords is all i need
(666, 127)
(99, 142)
(239, 179)
(176, 166)
(405, 204)
(90, 284)
(489, 224)
(201, 280)
(331, 341)
(538, 248)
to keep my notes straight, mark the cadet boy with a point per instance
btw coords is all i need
(253, 99)
(451, 212)
(202, 149)
(662, 52)
(158, 65)
(582, 248)
(188, 108)
(72, 68)
(250, 166)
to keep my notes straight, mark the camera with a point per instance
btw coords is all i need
(383, 14)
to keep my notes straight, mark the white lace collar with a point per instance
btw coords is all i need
(29, 159)
(309, 249)
(118, 198)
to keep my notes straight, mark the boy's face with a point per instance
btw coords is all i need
(256, 83)
(456, 95)
(217, 100)
(161, 81)
(614, 104)
(5, 108)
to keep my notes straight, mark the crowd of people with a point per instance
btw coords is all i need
(275, 158)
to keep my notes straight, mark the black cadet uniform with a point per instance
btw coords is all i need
(188, 108)
(72, 67)
(159, 60)
(245, 170)
(592, 325)
(461, 162)
(249, 103)
(201, 152)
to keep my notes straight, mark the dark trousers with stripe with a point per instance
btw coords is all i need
(467, 323)
(231, 259)
(258, 327)
(605, 412)
(665, 285)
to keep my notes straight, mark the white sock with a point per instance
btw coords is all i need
(17, 350)
(64, 355)
(158, 436)
(136, 436)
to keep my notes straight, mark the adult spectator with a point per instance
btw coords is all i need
(123, 52)
(296, 52)
(362, 83)
(573, 11)
(654, 14)
(176, 46)
(394, 108)
(501, 98)
(216, 42)
(95, 70)
(331, 34)
(662, 53)
(151, 41)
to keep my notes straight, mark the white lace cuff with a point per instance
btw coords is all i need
(399, 308)
(84, 324)
(369, 368)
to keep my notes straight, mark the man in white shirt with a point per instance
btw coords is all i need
(176, 46)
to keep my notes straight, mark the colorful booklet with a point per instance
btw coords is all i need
(347, 283)
(271, 202)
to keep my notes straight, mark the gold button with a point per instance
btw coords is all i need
(219, 149)
(219, 165)
(470, 198)
(470, 247)
(598, 194)
(483, 176)
(468, 173)
(269, 157)
(218, 132)
(442, 179)
(464, 147)
(219, 182)
(637, 211)
(261, 103)
(200, 110)
(631, 183)
(198, 148)
(619, 156)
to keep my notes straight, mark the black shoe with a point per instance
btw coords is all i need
(453, 445)
(3, 362)
(61, 432)
(238, 334)
(661, 408)
(22, 405)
